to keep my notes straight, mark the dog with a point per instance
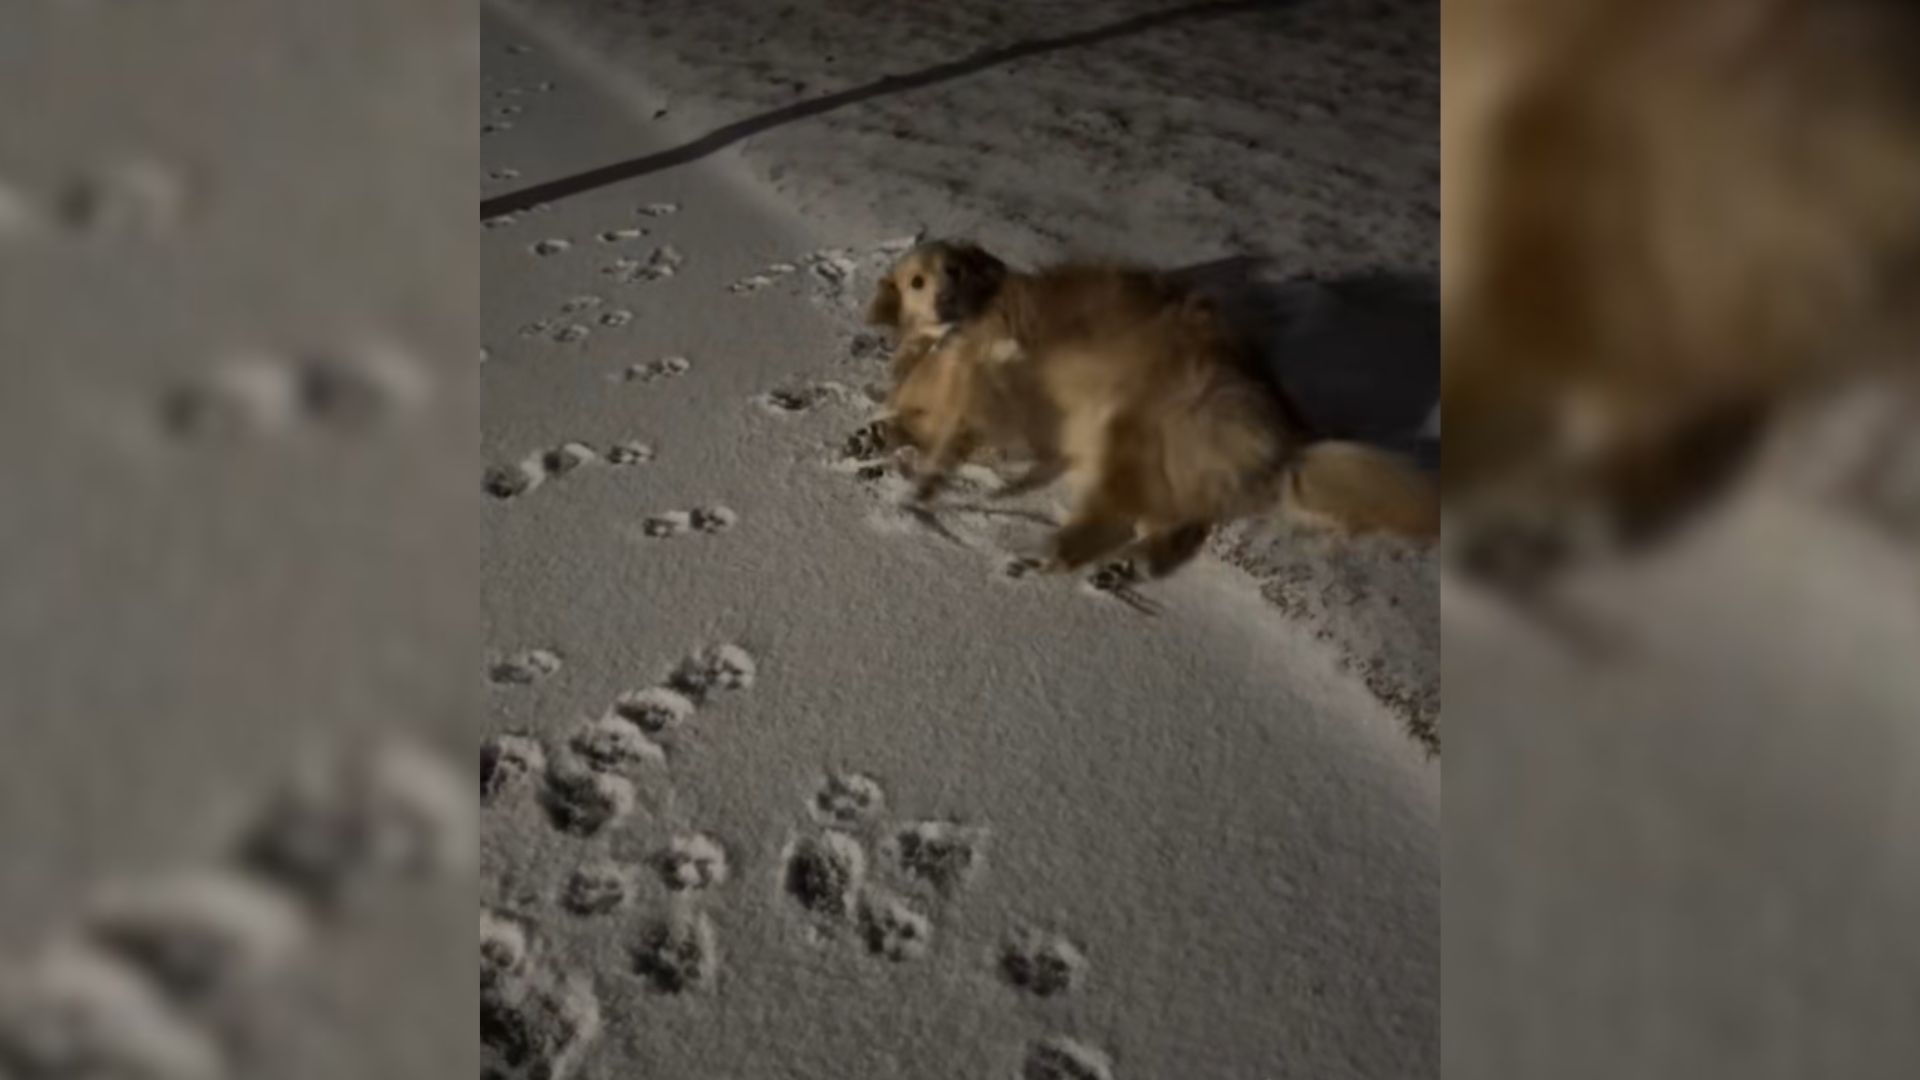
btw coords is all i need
(1662, 225)
(957, 385)
(1129, 387)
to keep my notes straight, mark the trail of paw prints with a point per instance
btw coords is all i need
(885, 884)
(692, 863)
(943, 856)
(718, 669)
(598, 888)
(537, 1018)
(753, 283)
(136, 199)
(508, 482)
(510, 763)
(1117, 580)
(348, 390)
(892, 928)
(664, 263)
(524, 668)
(882, 893)
(1062, 1058)
(631, 452)
(867, 347)
(584, 788)
(672, 950)
(583, 797)
(546, 86)
(848, 799)
(667, 367)
(338, 832)
(792, 400)
(507, 221)
(614, 744)
(577, 318)
(678, 952)
(1041, 963)
(161, 976)
(590, 781)
(867, 453)
(708, 519)
(831, 270)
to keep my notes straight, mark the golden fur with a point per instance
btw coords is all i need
(1138, 394)
(1661, 221)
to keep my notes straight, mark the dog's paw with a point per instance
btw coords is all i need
(1121, 580)
(1021, 567)
(1115, 576)
(872, 440)
(926, 488)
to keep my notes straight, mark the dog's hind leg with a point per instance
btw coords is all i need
(1168, 549)
(1093, 531)
(953, 448)
(1100, 523)
(1107, 512)
(1038, 475)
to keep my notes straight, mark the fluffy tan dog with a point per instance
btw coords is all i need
(1661, 222)
(1135, 392)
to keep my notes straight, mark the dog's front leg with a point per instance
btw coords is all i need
(952, 448)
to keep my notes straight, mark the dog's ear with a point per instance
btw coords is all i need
(884, 308)
(973, 279)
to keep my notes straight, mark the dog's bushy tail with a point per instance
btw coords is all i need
(1359, 488)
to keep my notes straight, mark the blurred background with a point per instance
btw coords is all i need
(1683, 477)
(238, 310)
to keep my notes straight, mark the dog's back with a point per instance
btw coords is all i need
(1078, 302)
(1153, 397)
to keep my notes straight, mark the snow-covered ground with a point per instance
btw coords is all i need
(238, 307)
(785, 781)
(1285, 154)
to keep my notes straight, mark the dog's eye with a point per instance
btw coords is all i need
(917, 281)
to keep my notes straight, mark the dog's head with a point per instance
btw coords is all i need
(936, 284)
